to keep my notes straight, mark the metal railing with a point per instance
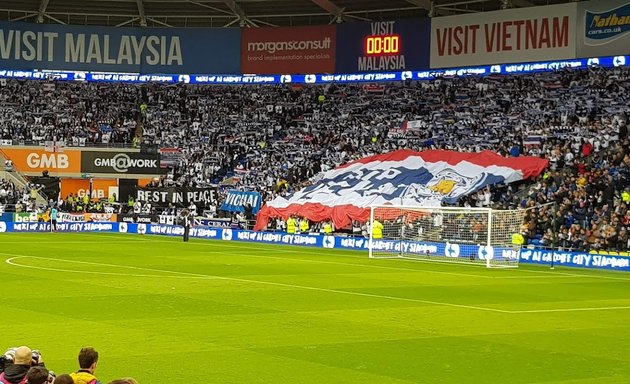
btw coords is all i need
(42, 143)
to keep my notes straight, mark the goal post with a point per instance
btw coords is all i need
(448, 234)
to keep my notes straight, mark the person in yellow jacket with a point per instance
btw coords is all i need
(291, 224)
(377, 229)
(625, 196)
(304, 226)
(518, 239)
(88, 359)
(327, 228)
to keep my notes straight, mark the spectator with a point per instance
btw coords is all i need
(88, 360)
(38, 375)
(63, 379)
(23, 360)
(276, 139)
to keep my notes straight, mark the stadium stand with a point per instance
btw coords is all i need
(275, 139)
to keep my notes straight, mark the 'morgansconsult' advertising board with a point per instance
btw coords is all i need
(288, 50)
(144, 50)
(507, 36)
(383, 46)
(603, 28)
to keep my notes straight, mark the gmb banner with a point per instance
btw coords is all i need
(101, 188)
(507, 36)
(236, 201)
(34, 161)
(181, 197)
(143, 50)
(603, 28)
(383, 46)
(288, 50)
(121, 163)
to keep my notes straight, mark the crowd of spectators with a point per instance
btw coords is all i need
(22, 365)
(20, 199)
(275, 139)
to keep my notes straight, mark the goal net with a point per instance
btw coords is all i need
(453, 234)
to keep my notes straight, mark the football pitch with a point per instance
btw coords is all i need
(164, 311)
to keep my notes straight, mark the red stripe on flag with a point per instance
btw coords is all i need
(528, 165)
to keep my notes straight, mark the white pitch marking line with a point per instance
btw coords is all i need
(312, 251)
(351, 264)
(569, 309)
(10, 262)
(308, 260)
(540, 277)
(555, 274)
(212, 277)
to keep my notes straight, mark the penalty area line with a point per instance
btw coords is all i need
(11, 262)
(187, 275)
(585, 309)
(182, 275)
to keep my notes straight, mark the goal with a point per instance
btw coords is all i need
(449, 234)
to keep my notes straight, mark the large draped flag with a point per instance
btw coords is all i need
(403, 177)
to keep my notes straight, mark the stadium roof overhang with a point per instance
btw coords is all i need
(244, 13)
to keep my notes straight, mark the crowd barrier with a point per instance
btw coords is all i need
(452, 250)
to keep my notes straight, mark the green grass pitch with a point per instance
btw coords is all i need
(164, 311)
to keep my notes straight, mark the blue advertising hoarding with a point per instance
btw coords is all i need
(484, 70)
(383, 46)
(446, 250)
(26, 46)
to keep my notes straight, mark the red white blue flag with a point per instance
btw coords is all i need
(403, 177)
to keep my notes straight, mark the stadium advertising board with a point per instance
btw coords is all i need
(477, 70)
(138, 218)
(120, 163)
(101, 188)
(180, 197)
(214, 223)
(559, 258)
(144, 50)
(100, 217)
(236, 201)
(383, 46)
(25, 217)
(603, 28)
(170, 156)
(32, 161)
(288, 50)
(65, 217)
(507, 36)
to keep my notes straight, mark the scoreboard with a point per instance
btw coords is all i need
(383, 46)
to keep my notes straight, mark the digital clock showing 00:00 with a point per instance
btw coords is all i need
(382, 45)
